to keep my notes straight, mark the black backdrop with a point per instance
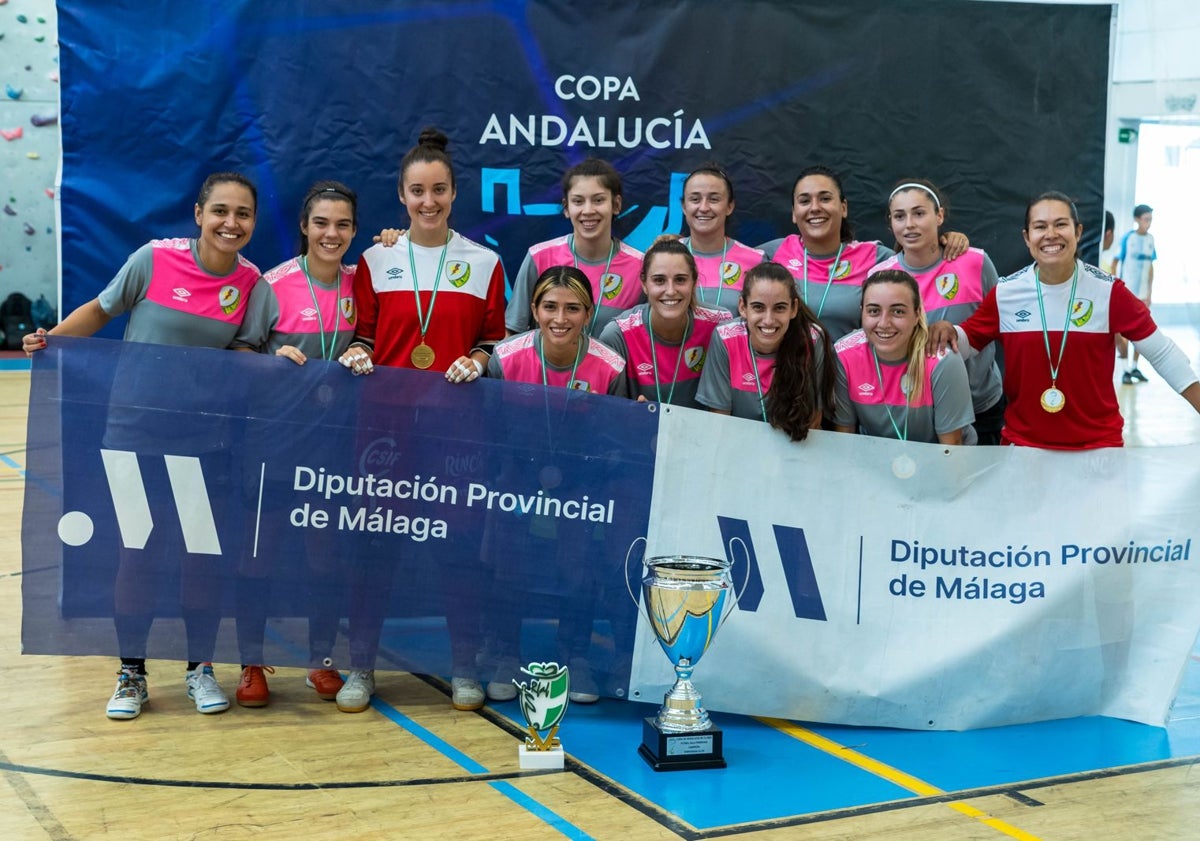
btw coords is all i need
(993, 101)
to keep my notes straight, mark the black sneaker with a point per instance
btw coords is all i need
(1137, 375)
(1127, 379)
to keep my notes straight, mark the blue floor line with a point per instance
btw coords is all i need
(525, 801)
(13, 464)
(436, 742)
(14, 365)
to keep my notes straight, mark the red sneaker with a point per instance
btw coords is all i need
(252, 690)
(327, 682)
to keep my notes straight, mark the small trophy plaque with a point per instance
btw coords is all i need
(543, 701)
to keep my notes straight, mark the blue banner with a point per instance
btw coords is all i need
(168, 482)
(995, 102)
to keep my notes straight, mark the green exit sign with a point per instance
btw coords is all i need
(1126, 135)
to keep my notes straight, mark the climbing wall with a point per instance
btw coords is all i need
(29, 148)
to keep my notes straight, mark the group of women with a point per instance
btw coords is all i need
(813, 330)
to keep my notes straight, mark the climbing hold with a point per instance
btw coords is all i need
(49, 118)
(50, 192)
(12, 133)
(8, 211)
(29, 229)
(13, 93)
(33, 156)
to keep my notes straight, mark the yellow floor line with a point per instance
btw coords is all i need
(892, 775)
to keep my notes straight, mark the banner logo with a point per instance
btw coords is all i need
(132, 506)
(797, 565)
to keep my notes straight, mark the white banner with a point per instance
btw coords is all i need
(993, 586)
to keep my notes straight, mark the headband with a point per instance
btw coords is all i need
(912, 185)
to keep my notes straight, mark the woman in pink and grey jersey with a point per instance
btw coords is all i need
(886, 386)
(721, 261)
(829, 265)
(303, 310)
(559, 353)
(190, 292)
(951, 289)
(664, 341)
(591, 200)
(773, 364)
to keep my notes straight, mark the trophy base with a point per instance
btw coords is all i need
(541, 760)
(681, 751)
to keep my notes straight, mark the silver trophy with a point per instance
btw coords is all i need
(685, 598)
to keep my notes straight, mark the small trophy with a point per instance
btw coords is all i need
(543, 702)
(685, 598)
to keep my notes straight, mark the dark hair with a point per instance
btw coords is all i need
(711, 168)
(430, 148)
(596, 168)
(1142, 210)
(923, 185)
(225, 178)
(1053, 195)
(333, 190)
(671, 244)
(565, 277)
(1110, 221)
(798, 388)
(846, 233)
(920, 337)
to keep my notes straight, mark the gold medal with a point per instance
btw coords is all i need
(422, 356)
(1053, 400)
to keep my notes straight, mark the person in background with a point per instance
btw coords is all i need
(1134, 264)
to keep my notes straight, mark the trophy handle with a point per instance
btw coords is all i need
(737, 594)
(629, 553)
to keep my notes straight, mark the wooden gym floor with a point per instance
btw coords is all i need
(412, 767)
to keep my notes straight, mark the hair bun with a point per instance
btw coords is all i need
(434, 137)
(666, 238)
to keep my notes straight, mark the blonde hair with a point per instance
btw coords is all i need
(915, 370)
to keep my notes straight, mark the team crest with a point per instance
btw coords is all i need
(946, 285)
(458, 273)
(1081, 313)
(842, 271)
(731, 273)
(610, 285)
(229, 297)
(543, 700)
(693, 357)
(346, 305)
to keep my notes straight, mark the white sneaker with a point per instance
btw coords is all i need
(583, 684)
(127, 699)
(355, 694)
(466, 693)
(501, 687)
(203, 688)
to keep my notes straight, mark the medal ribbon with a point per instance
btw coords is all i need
(423, 319)
(612, 249)
(762, 403)
(828, 283)
(902, 436)
(687, 332)
(542, 356)
(720, 270)
(337, 309)
(1054, 366)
